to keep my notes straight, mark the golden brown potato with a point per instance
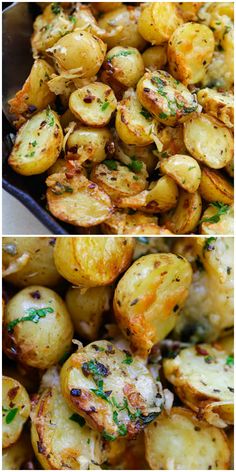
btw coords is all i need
(218, 219)
(125, 65)
(190, 51)
(15, 410)
(80, 53)
(38, 144)
(218, 104)
(113, 391)
(189, 10)
(28, 261)
(172, 140)
(158, 21)
(215, 187)
(77, 200)
(35, 94)
(118, 180)
(184, 170)
(104, 7)
(181, 441)
(134, 124)
(155, 57)
(209, 141)
(166, 98)
(230, 168)
(60, 437)
(230, 437)
(89, 145)
(143, 306)
(203, 379)
(138, 223)
(121, 27)
(92, 262)
(37, 319)
(93, 104)
(20, 454)
(125, 153)
(185, 217)
(227, 344)
(87, 308)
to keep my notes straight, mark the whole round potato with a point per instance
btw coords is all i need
(37, 328)
(29, 261)
(155, 57)
(149, 296)
(124, 64)
(89, 144)
(92, 262)
(158, 20)
(79, 50)
(15, 410)
(87, 308)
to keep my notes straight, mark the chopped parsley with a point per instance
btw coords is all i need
(221, 208)
(72, 18)
(108, 437)
(11, 414)
(230, 360)
(31, 154)
(145, 113)
(135, 165)
(59, 189)
(50, 117)
(209, 244)
(111, 164)
(104, 106)
(88, 441)
(163, 116)
(56, 9)
(100, 393)
(78, 419)
(121, 53)
(128, 360)
(31, 315)
(34, 143)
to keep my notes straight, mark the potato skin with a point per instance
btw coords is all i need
(144, 309)
(37, 145)
(30, 342)
(125, 65)
(168, 440)
(137, 224)
(89, 145)
(218, 104)
(116, 396)
(224, 226)
(184, 170)
(92, 262)
(185, 217)
(215, 187)
(155, 57)
(209, 141)
(14, 397)
(58, 441)
(87, 309)
(19, 454)
(39, 267)
(190, 51)
(158, 21)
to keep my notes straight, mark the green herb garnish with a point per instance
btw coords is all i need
(230, 360)
(72, 18)
(111, 164)
(99, 393)
(209, 246)
(128, 360)
(145, 113)
(108, 437)
(50, 116)
(11, 413)
(78, 419)
(32, 315)
(34, 143)
(163, 116)
(222, 209)
(56, 9)
(104, 106)
(135, 165)
(122, 53)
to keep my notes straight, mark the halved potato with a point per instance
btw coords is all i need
(209, 141)
(92, 262)
(35, 94)
(60, 438)
(77, 200)
(38, 144)
(119, 180)
(185, 217)
(138, 223)
(180, 441)
(113, 391)
(149, 296)
(172, 140)
(215, 222)
(190, 51)
(166, 98)
(134, 125)
(125, 65)
(15, 410)
(184, 170)
(19, 455)
(215, 187)
(158, 21)
(93, 104)
(230, 168)
(155, 57)
(218, 104)
(203, 378)
(89, 145)
(189, 10)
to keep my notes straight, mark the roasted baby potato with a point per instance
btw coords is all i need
(138, 223)
(184, 170)
(113, 391)
(166, 98)
(35, 94)
(190, 51)
(214, 187)
(87, 308)
(162, 194)
(93, 104)
(185, 217)
(89, 145)
(37, 319)
(60, 437)
(189, 10)
(38, 144)
(125, 65)
(15, 410)
(203, 378)
(143, 306)
(118, 180)
(158, 21)
(169, 437)
(155, 57)
(20, 454)
(218, 219)
(172, 140)
(121, 28)
(29, 261)
(77, 200)
(209, 141)
(108, 257)
(218, 104)
(134, 124)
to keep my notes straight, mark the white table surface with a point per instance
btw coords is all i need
(16, 219)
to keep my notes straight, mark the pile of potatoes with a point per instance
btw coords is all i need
(117, 350)
(129, 111)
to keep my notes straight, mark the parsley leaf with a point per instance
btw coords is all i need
(209, 246)
(104, 106)
(230, 360)
(163, 116)
(111, 164)
(145, 113)
(135, 165)
(56, 9)
(78, 419)
(108, 437)
(32, 315)
(222, 209)
(128, 360)
(122, 53)
(11, 415)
